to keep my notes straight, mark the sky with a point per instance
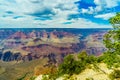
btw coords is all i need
(57, 13)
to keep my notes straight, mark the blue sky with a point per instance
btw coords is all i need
(57, 13)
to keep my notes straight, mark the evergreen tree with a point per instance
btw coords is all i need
(112, 42)
(112, 38)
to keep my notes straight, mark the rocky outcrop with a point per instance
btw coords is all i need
(33, 34)
(1, 55)
(53, 35)
(18, 35)
(9, 56)
(53, 53)
(44, 34)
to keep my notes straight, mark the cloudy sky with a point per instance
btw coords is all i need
(57, 13)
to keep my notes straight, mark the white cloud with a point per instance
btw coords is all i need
(79, 23)
(84, 10)
(101, 6)
(55, 23)
(98, 8)
(105, 16)
(57, 9)
(107, 3)
(32, 6)
(90, 10)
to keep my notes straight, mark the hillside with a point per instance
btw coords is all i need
(88, 74)
(92, 74)
(15, 71)
(84, 67)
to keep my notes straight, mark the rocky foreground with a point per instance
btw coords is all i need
(91, 73)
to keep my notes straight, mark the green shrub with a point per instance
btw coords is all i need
(32, 78)
(89, 79)
(115, 75)
(72, 65)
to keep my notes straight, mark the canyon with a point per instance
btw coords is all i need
(31, 51)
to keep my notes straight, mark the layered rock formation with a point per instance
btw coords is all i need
(26, 46)
(21, 46)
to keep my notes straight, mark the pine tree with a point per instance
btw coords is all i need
(112, 38)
